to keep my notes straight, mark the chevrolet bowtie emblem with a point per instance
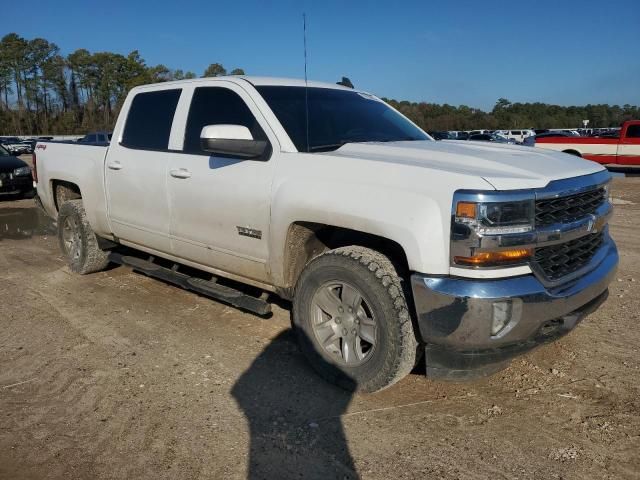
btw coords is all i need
(596, 224)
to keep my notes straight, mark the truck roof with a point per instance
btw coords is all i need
(256, 81)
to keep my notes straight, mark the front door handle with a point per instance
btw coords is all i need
(180, 173)
(114, 165)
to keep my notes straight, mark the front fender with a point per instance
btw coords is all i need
(407, 217)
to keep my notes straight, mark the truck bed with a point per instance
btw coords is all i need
(82, 165)
(621, 150)
(601, 150)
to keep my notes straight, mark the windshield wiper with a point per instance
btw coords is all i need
(334, 146)
(328, 147)
(401, 139)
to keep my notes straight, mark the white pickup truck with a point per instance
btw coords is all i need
(390, 245)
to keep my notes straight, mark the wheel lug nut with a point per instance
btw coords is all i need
(340, 309)
(344, 331)
(357, 320)
(338, 321)
(350, 310)
(353, 331)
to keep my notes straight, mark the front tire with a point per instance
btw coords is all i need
(77, 240)
(352, 320)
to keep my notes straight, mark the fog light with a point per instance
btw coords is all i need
(501, 316)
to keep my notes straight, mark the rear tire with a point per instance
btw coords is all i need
(77, 240)
(352, 321)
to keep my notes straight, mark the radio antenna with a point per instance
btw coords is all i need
(306, 82)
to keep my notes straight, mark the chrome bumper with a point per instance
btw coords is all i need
(455, 315)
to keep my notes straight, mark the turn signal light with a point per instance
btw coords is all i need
(488, 259)
(466, 210)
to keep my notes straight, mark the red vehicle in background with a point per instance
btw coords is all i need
(621, 150)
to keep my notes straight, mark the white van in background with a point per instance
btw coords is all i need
(517, 135)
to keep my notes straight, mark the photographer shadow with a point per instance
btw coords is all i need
(294, 417)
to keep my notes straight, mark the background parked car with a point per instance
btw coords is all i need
(96, 138)
(608, 134)
(491, 137)
(14, 145)
(517, 135)
(531, 141)
(15, 175)
(441, 135)
(29, 145)
(571, 133)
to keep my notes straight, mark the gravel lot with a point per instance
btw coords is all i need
(116, 375)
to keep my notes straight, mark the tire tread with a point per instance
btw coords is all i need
(95, 259)
(396, 366)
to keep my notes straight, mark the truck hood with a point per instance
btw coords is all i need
(505, 167)
(10, 163)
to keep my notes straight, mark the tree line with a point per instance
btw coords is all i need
(43, 91)
(507, 115)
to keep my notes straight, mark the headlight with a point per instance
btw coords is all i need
(607, 191)
(22, 172)
(496, 218)
(475, 220)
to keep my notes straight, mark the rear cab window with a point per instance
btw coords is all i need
(149, 120)
(633, 131)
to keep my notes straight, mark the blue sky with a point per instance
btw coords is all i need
(461, 52)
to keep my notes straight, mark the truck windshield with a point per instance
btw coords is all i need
(336, 117)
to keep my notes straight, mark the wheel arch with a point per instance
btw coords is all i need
(63, 190)
(306, 240)
(572, 151)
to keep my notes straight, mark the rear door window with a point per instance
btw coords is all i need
(149, 120)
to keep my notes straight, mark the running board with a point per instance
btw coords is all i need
(203, 287)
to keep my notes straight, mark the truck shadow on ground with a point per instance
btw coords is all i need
(294, 417)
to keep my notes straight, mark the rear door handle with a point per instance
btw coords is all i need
(114, 165)
(180, 173)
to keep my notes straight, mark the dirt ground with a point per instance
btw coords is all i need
(116, 375)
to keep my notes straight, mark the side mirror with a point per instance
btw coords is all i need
(231, 141)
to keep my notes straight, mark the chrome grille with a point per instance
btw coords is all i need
(569, 208)
(557, 261)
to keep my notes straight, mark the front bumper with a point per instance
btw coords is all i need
(11, 185)
(455, 316)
